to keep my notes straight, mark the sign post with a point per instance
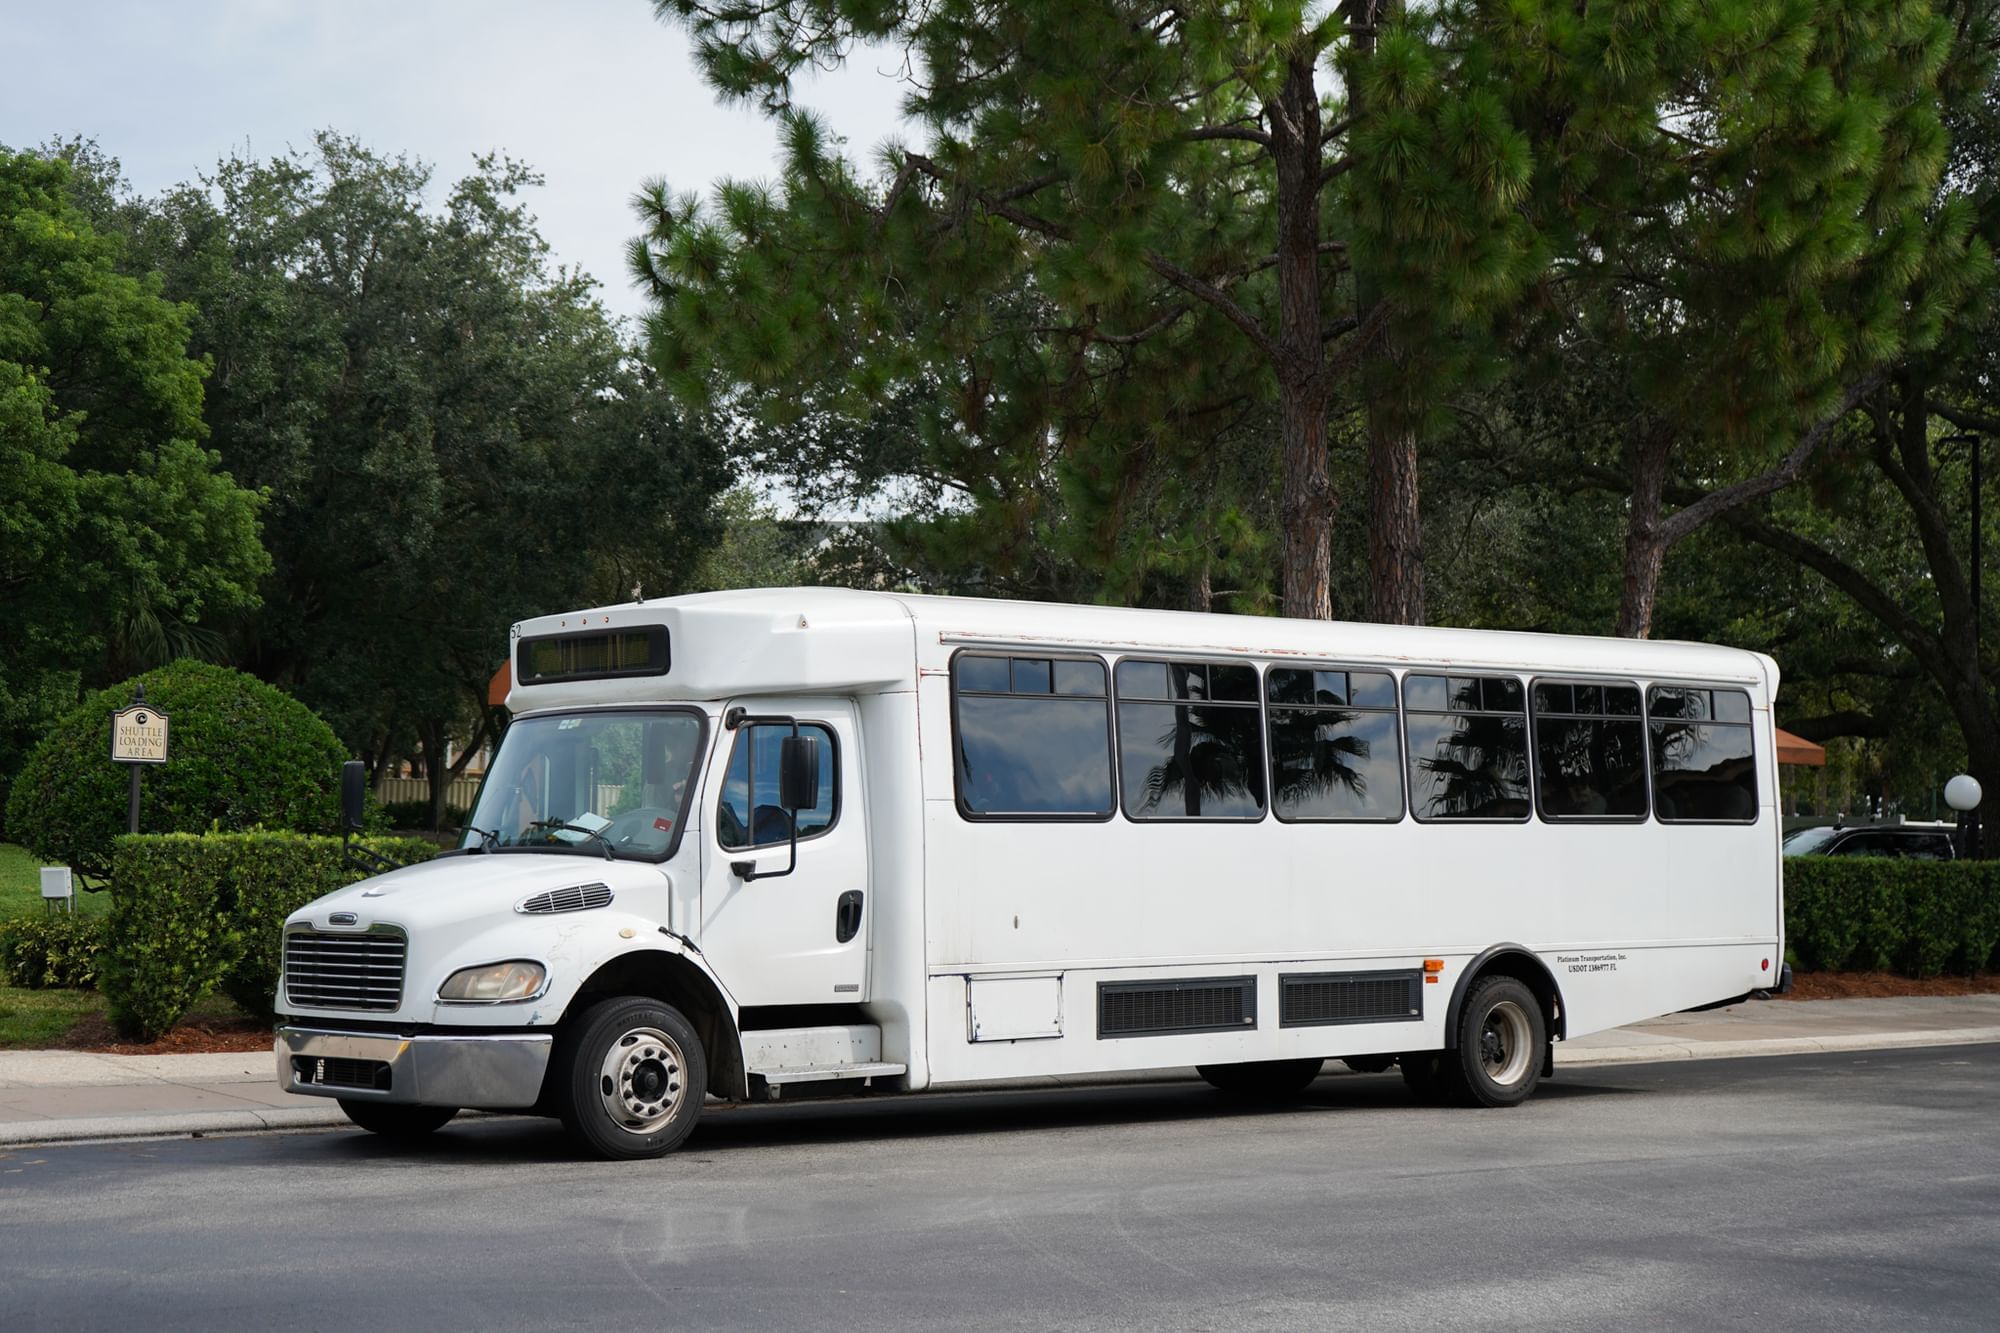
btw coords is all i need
(138, 738)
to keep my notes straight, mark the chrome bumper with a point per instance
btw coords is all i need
(496, 1073)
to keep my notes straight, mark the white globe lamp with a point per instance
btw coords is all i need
(1962, 792)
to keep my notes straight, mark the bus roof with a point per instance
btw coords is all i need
(807, 640)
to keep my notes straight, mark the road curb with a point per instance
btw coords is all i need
(1568, 1056)
(179, 1124)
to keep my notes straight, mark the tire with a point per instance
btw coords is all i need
(395, 1120)
(1368, 1064)
(1262, 1080)
(1501, 1039)
(632, 1078)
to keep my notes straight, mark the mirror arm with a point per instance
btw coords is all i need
(747, 870)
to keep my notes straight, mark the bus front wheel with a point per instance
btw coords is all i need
(634, 1077)
(1501, 1038)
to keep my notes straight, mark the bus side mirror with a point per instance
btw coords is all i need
(798, 772)
(353, 793)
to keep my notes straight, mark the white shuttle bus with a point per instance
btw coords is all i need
(768, 843)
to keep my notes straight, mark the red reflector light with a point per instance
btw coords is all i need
(1764, 966)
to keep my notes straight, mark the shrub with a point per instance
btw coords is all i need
(1922, 918)
(52, 951)
(194, 912)
(242, 755)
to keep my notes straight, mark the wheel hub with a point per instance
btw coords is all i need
(641, 1080)
(1504, 1040)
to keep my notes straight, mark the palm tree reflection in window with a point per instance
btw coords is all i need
(1210, 755)
(1704, 762)
(1467, 764)
(1330, 759)
(1195, 759)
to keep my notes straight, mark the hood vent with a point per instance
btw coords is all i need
(575, 898)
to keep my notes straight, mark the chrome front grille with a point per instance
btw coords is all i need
(326, 971)
(575, 898)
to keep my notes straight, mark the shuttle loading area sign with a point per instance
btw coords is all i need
(139, 735)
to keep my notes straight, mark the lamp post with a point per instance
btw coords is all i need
(1978, 673)
(1962, 794)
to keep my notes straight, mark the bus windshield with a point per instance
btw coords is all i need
(588, 781)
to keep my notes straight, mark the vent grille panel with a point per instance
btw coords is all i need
(575, 898)
(1318, 999)
(1191, 1004)
(345, 971)
(331, 1072)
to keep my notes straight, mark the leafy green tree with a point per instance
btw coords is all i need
(451, 431)
(1751, 222)
(121, 540)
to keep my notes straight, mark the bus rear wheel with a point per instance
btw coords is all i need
(634, 1076)
(1501, 1038)
(1265, 1080)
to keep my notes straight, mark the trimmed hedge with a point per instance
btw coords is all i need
(242, 755)
(193, 912)
(1864, 914)
(51, 951)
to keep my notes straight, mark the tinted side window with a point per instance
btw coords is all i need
(1468, 747)
(1032, 737)
(1335, 751)
(1197, 753)
(1590, 751)
(1704, 767)
(750, 815)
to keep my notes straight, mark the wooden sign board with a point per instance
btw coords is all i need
(139, 735)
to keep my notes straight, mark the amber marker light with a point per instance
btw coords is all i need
(1432, 966)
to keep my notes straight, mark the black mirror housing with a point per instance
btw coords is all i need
(353, 794)
(798, 772)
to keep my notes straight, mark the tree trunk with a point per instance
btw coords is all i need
(1645, 544)
(1306, 497)
(1395, 528)
(436, 771)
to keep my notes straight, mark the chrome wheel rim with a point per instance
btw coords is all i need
(643, 1080)
(1505, 1041)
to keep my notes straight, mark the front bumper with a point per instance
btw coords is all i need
(493, 1073)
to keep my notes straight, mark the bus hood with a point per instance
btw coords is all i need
(458, 889)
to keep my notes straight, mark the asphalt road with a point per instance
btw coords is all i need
(1805, 1192)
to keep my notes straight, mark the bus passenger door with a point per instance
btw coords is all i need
(799, 937)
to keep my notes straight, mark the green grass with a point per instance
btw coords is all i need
(21, 886)
(35, 1018)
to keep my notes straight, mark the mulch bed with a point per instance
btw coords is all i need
(1883, 986)
(196, 1036)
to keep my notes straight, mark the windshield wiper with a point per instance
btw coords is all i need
(488, 838)
(576, 828)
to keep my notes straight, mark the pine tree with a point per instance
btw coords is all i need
(1128, 226)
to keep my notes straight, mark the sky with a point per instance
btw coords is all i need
(596, 94)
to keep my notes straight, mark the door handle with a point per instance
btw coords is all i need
(847, 916)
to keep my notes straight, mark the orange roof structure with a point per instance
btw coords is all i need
(503, 681)
(1798, 750)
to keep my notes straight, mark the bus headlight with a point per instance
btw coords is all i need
(495, 983)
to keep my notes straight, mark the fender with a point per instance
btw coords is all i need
(1531, 963)
(654, 961)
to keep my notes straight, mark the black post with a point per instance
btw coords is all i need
(1975, 834)
(132, 806)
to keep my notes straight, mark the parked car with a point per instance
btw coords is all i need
(1917, 842)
